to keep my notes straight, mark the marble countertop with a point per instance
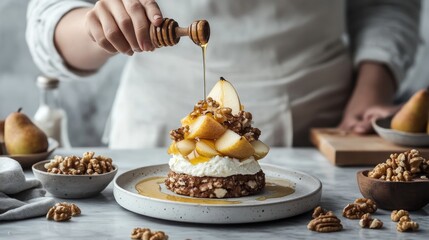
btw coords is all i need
(103, 218)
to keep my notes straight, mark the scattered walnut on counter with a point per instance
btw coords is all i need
(404, 221)
(63, 212)
(407, 226)
(73, 165)
(360, 206)
(396, 215)
(328, 223)
(401, 167)
(147, 234)
(319, 211)
(324, 221)
(353, 211)
(366, 205)
(367, 221)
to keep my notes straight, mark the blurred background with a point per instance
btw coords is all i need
(88, 102)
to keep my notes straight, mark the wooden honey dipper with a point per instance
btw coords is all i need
(169, 33)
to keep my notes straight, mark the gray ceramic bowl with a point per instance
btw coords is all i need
(382, 127)
(72, 186)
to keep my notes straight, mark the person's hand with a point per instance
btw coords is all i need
(123, 25)
(361, 123)
(371, 99)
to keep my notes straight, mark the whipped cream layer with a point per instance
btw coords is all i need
(217, 166)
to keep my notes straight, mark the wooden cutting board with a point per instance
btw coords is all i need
(346, 149)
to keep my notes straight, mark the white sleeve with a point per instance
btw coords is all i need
(42, 18)
(385, 31)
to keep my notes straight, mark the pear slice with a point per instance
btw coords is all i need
(172, 150)
(205, 127)
(185, 147)
(187, 120)
(261, 149)
(195, 158)
(206, 148)
(233, 145)
(192, 155)
(225, 94)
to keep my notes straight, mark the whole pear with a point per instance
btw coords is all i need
(413, 116)
(22, 136)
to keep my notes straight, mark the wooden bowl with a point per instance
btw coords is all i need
(409, 196)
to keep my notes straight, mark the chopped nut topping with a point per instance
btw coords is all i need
(240, 123)
(324, 221)
(147, 234)
(179, 134)
(63, 212)
(401, 167)
(204, 106)
(73, 165)
(367, 222)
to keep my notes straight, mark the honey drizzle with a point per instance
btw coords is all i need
(150, 187)
(203, 48)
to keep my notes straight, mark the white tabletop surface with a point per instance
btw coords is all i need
(103, 218)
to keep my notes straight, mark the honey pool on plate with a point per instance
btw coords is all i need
(151, 187)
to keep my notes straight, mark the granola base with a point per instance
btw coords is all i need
(215, 187)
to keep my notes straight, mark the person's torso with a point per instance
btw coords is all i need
(269, 50)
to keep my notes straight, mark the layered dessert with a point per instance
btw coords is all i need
(215, 152)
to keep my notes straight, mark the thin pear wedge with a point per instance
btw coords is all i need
(261, 149)
(185, 147)
(233, 145)
(206, 148)
(225, 94)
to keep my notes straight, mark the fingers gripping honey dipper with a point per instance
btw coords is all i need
(169, 33)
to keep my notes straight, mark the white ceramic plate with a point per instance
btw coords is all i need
(26, 160)
(308, 190)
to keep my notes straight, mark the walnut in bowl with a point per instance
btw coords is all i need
(75, 177)
(399, 183)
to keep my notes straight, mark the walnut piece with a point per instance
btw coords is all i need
(407, 225)
(367, 221)
(63, 212)
(366, 205)
(401, 167)
(396, 215)
(319, 211)
(73, 165)
(75, 210)
(325, 223)
(147, 234)
(179, 134)
(353, 211)
(404, 221)
(241, 124)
